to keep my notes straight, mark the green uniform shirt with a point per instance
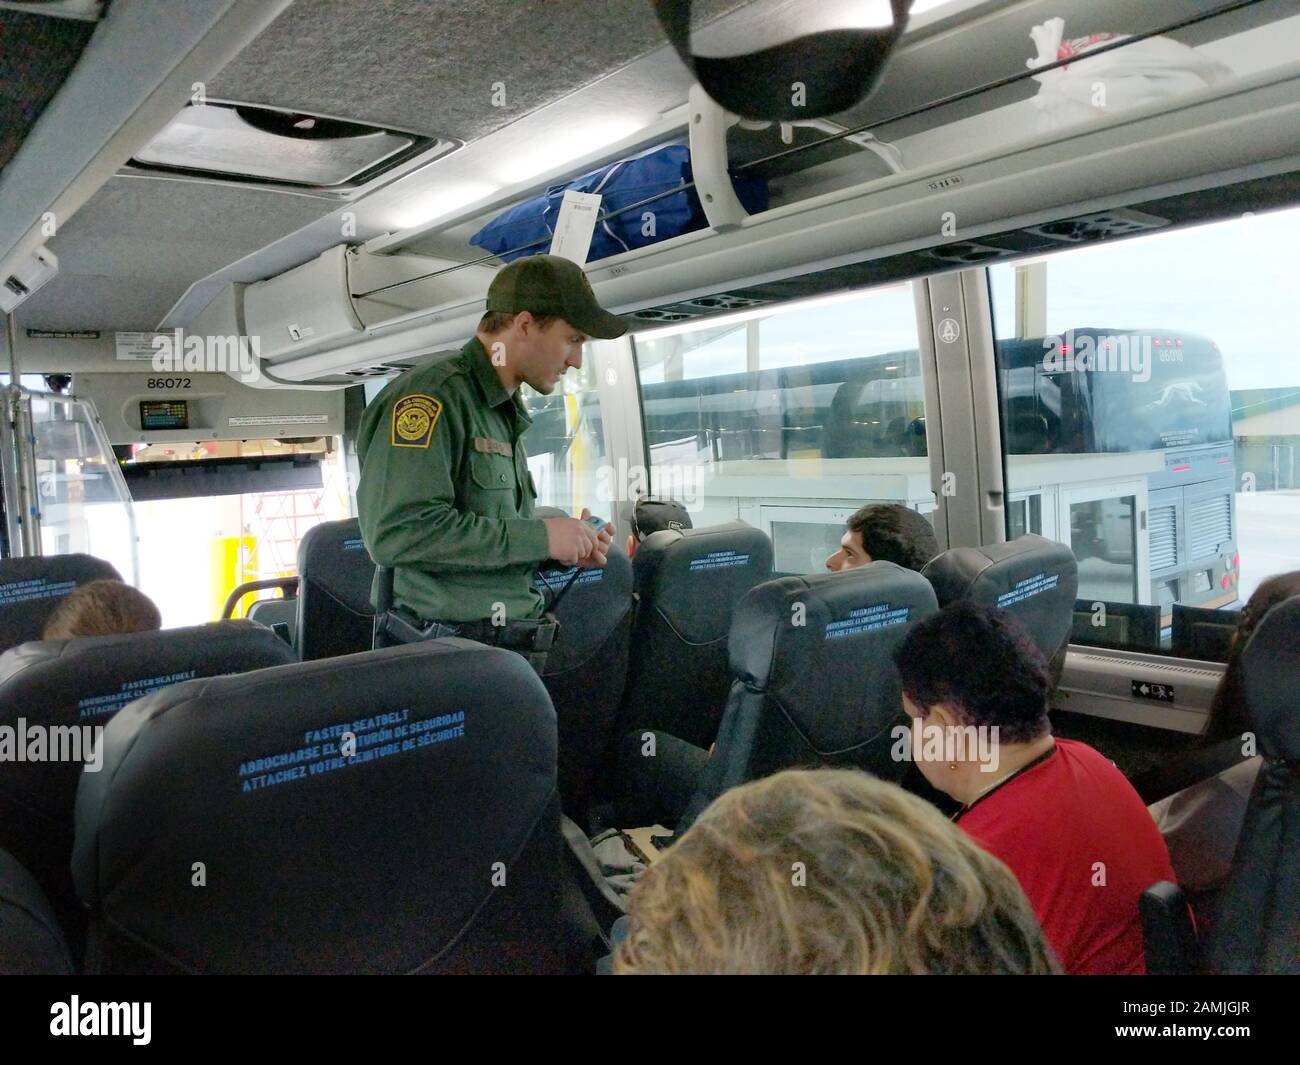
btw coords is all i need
(445, 496)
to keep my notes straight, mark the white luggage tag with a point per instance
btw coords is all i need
(575, 226)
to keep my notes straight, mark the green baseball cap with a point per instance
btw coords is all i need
(548, 284)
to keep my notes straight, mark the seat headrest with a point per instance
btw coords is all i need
(30, 589)
(1033, 578)
(84, 682)
(315, 861)
(332, 556)
(696, 576)
(596, 601)
(822, 647)
(1270, 667)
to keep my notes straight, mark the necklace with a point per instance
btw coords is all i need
(1003, 779)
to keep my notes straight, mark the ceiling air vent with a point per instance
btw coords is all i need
(653, 314)
(269, 146)
(721, 302)
(1101, 226)
(968, 253)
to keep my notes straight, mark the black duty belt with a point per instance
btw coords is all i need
(532, 638)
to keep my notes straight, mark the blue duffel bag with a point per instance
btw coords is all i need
(526, 229)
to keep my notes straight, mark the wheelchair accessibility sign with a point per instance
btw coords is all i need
(949, 330)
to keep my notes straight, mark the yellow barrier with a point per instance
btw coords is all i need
(233, 560)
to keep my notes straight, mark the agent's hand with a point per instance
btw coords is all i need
(606, 534)
(604, 538)
(570, 541)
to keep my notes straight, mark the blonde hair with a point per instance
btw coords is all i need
(828, 871)
(102, 608)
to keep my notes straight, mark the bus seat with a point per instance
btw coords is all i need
(273, 612)
(31, 942)
(335, 615)
(435, 849)
(586, 670)
(30, 589)
(84, 682)
(688, 583)
(815, 686)
(1034, 579)
(1257, 927)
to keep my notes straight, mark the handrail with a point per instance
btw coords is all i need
(285, 584)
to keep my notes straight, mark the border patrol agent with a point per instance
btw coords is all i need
(445, 497)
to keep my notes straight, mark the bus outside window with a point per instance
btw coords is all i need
(1151, 416)
(789, 419)
(195, 550)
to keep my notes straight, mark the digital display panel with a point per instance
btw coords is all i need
(164, 414)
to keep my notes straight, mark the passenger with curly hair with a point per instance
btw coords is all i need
(885, 532)
(828, 871)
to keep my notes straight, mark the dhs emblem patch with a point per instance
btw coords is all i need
(414, 419)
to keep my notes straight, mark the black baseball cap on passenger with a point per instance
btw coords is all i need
(549, 284)
(655, 515)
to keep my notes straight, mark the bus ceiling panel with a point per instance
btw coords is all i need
(36, 55)
(433, 66)
(136, 72)
(117, 274)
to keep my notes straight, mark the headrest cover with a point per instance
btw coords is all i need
(1034, 578)
(1271, 668)
(332, 557)
(30, 589)
(822, 648)
(313, 860)
(657, 515)
(596, 601)
(694, 578)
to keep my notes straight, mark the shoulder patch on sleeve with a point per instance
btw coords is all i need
(414, 419)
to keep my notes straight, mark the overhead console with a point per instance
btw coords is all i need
(978, 169)
(156, 408)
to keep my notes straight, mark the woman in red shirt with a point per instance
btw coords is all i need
(1058, 813)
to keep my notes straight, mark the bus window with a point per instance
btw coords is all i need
(566, 442)
(789, 419)
(1151, 415)
(196, 544)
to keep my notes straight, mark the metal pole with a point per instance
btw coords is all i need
(11, 341)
